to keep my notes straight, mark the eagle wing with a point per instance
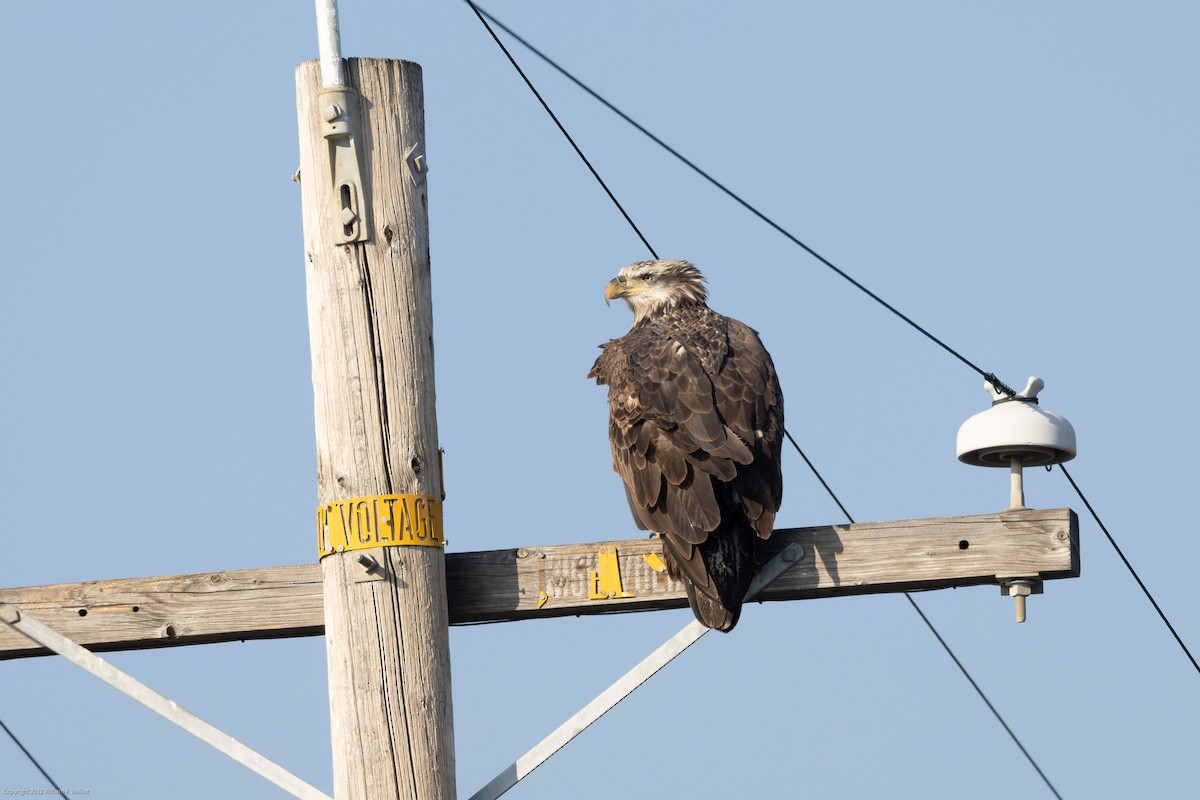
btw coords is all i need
(750, 399)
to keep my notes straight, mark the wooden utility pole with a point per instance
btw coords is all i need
(366, 240)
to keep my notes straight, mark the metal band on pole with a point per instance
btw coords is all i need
(390, 520)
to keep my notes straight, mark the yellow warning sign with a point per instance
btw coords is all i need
(391, 520)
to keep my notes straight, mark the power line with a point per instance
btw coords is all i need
(908, 596)
(813, 468)
(546, 106)
(983, 697)
(990, 377)
(1129, 567)
(33, 760)
(995, 382)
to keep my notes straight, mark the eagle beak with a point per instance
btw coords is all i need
(612, 291)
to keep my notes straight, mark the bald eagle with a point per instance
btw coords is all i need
(695, 424)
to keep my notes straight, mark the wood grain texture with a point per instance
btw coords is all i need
(873, 557)
(495, 585)
(371, 331)
(138, 613)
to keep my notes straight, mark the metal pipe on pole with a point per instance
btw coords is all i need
(329, 44)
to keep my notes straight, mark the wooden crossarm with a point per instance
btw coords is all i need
(556, 580)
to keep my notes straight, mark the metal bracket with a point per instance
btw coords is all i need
(519, 769)
(341, 126)
(655, 562)
(372, 561)
(606, 578)
(417, 165)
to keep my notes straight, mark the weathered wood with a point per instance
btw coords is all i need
(370, 323)
(495, 585)
(138, 613)
(865, 558)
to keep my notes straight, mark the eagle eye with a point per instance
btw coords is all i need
(646, 276)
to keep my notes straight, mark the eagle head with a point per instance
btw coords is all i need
(652, 286)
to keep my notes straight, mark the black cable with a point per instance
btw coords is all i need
(995, 382)
(989, 376)
(812, 467)
(983, 696)
(33, 760)
(1129, 567)
(546, 106)
(908, 596)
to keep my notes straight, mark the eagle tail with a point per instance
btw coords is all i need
(716, 573)
(711, 612)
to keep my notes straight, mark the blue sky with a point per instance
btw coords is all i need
(1020, 178)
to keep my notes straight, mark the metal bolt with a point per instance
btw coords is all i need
(367, 561)
(332, 112)
(348, 216)
(1019, 590)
